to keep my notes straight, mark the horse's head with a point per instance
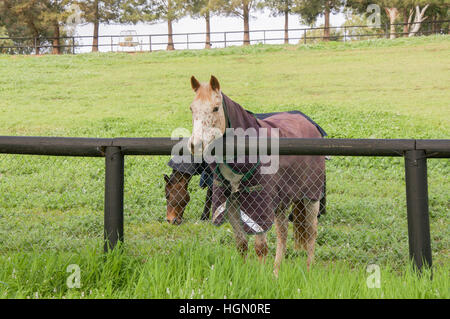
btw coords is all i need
(208, 116)
(177, 196)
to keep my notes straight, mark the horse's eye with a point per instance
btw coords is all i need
(215, 109)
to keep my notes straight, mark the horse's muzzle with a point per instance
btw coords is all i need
(175, 221)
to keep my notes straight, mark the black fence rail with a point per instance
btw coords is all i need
(114, 150)
(197, 40)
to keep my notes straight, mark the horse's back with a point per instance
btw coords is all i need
(291, 125)
(298, 176)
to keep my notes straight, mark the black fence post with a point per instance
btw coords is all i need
(417, 208)
(114, 178)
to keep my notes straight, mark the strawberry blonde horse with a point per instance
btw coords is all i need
(209, 123)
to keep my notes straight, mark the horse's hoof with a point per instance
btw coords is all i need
(275, 273)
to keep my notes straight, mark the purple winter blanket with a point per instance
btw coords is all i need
(259, 195)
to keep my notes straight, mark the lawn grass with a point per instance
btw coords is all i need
(51, 208)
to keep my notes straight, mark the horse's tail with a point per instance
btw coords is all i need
(298, 217)
(297, 223)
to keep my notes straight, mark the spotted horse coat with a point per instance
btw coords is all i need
(260, 195)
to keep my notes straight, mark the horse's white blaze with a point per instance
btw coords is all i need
(196, 139)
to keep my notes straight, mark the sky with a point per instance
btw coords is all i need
(260, 20)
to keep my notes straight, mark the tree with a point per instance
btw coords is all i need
(357, 27)
(34, 19)
(388, 10)
(421, 10)
(418, 19)
(154, 10)
(407, 9)
(204, 9)
(280, 7)
(19, 20)
(53, 16)
(99, 11)
(439, 10)
(407, 14)
(239, 8)
(310, 10)
(393, 14)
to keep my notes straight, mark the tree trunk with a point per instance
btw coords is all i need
(418, 19)
(286, 27)
(326, 30)
(208, 30)
(392, 13)
(56, 49)
(434, 25)
(38, 46)
(405, 21)
(246, 25)
(35, 31)
(170, 45)
(96, 27)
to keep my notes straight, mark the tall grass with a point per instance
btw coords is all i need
(203, 272)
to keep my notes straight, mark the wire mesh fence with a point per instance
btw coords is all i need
(56, 203)
(359, 217)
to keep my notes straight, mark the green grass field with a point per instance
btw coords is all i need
(51, 209)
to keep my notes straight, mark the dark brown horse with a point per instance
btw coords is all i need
(177, 197)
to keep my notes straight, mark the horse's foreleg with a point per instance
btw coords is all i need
(281, 224)
(310, 228)
(207, 208)
(235, 221)
(261, 247)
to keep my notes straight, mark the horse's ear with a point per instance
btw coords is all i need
(214, 83)
(166, 179)
(194, 83)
